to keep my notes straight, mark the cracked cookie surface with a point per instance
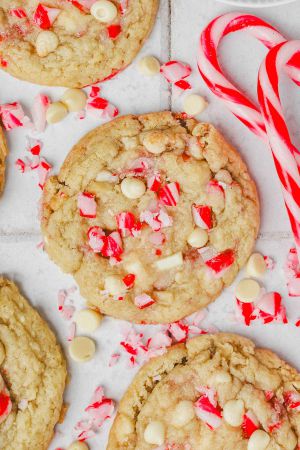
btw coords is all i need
(82, 50)
(223, 368)
(34, 372)
(3, 155)
(148, 250)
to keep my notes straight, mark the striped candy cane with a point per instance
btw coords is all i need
(283, 150)
(246, 111)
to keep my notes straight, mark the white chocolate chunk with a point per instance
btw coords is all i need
(2, 353)
(133, 188)
(247, 290)
(78, 445)
(195, 149)
(149, 66)
(155, 433)
(74, 99)
(155, 141)
(233, 412)
(56, 112)
(82, 349)
(107, 176)
(259, 440)
(170, 262)
(256, 266)
(198, 238)
(194, 104)
(224, 176)
(88, 320)
(104, 11)
(183, 413)
(46, 43)
(114, 285)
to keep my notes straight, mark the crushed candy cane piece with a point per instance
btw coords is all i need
(271, 308)
(71, 332)
(114, 31)
(179, 331)
(247, 311)
(157, 219)
(87, 205)
(143, 301)
(250, 424)
(140, 167)
(44, 16)
(207, 408)
(95, 90)
(292, 273)
(129, 280)
(123, 6)
(202, 215)
(183, 85)
(154, 182)
(270, 263)
(128, 224)
(95, 235)
(292, 400)
(169, 194)
(112, 245)
(12, 115)
(221, 262)
(20, 13)
(5, 404)
(174, 71)
(43, 171)
(38, 112)
(102, 108)
(158, 238)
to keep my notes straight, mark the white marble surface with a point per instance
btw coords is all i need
(175, 36)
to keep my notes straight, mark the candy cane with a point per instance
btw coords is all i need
(281, 145)
(212, 74)
(247, 112)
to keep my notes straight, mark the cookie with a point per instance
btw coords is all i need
(153, 215)
(214, 392)
(34, 371)
(72, 43)
(3, 154)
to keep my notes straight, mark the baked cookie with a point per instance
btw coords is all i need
(153, 215)
(72, 43)
(34, 371)
(3, 154)
(216, 392)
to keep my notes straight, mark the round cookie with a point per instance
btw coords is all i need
(130, 249)
(60, 43)
(34, 372)
(214, 392)
(3, 154)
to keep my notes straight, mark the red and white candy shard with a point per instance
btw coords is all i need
(183, 85)
(292, 273)
(207, 409)
(179, 331)
(102, 108)
(5, 401)
(154, 182)
(128, 224)
(38, 112)
(44, 16)
(221, 262)
(87, 205)
(271, 308)
(112, 245)
(140, 166)
(174, 71)
(169, 194)
(157, 219)
(123, 6)
(202, 215)
(43, 171)
(143, 301)
(12, 115)
(129, 280)
(114, 31)
(292, 400)
(95, 238)
(250, 423)
(20, 13)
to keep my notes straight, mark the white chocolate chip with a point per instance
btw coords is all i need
(78, 445)
(82, 349)
(74, 99)
(233, 412)
(133, 188)
(155, 433)
(56, 112)
(88, 320)
(46, 43)
(194, 104)
(194, 148)
(247, 290)
(198, 238)
(149, 66)
(224, 176)
(259, 440)
(183, 413)
(256, 266)
(155, 141)
(2, 353)
(114, 285)
(107, 176)
(170, 262)
(104, 11)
